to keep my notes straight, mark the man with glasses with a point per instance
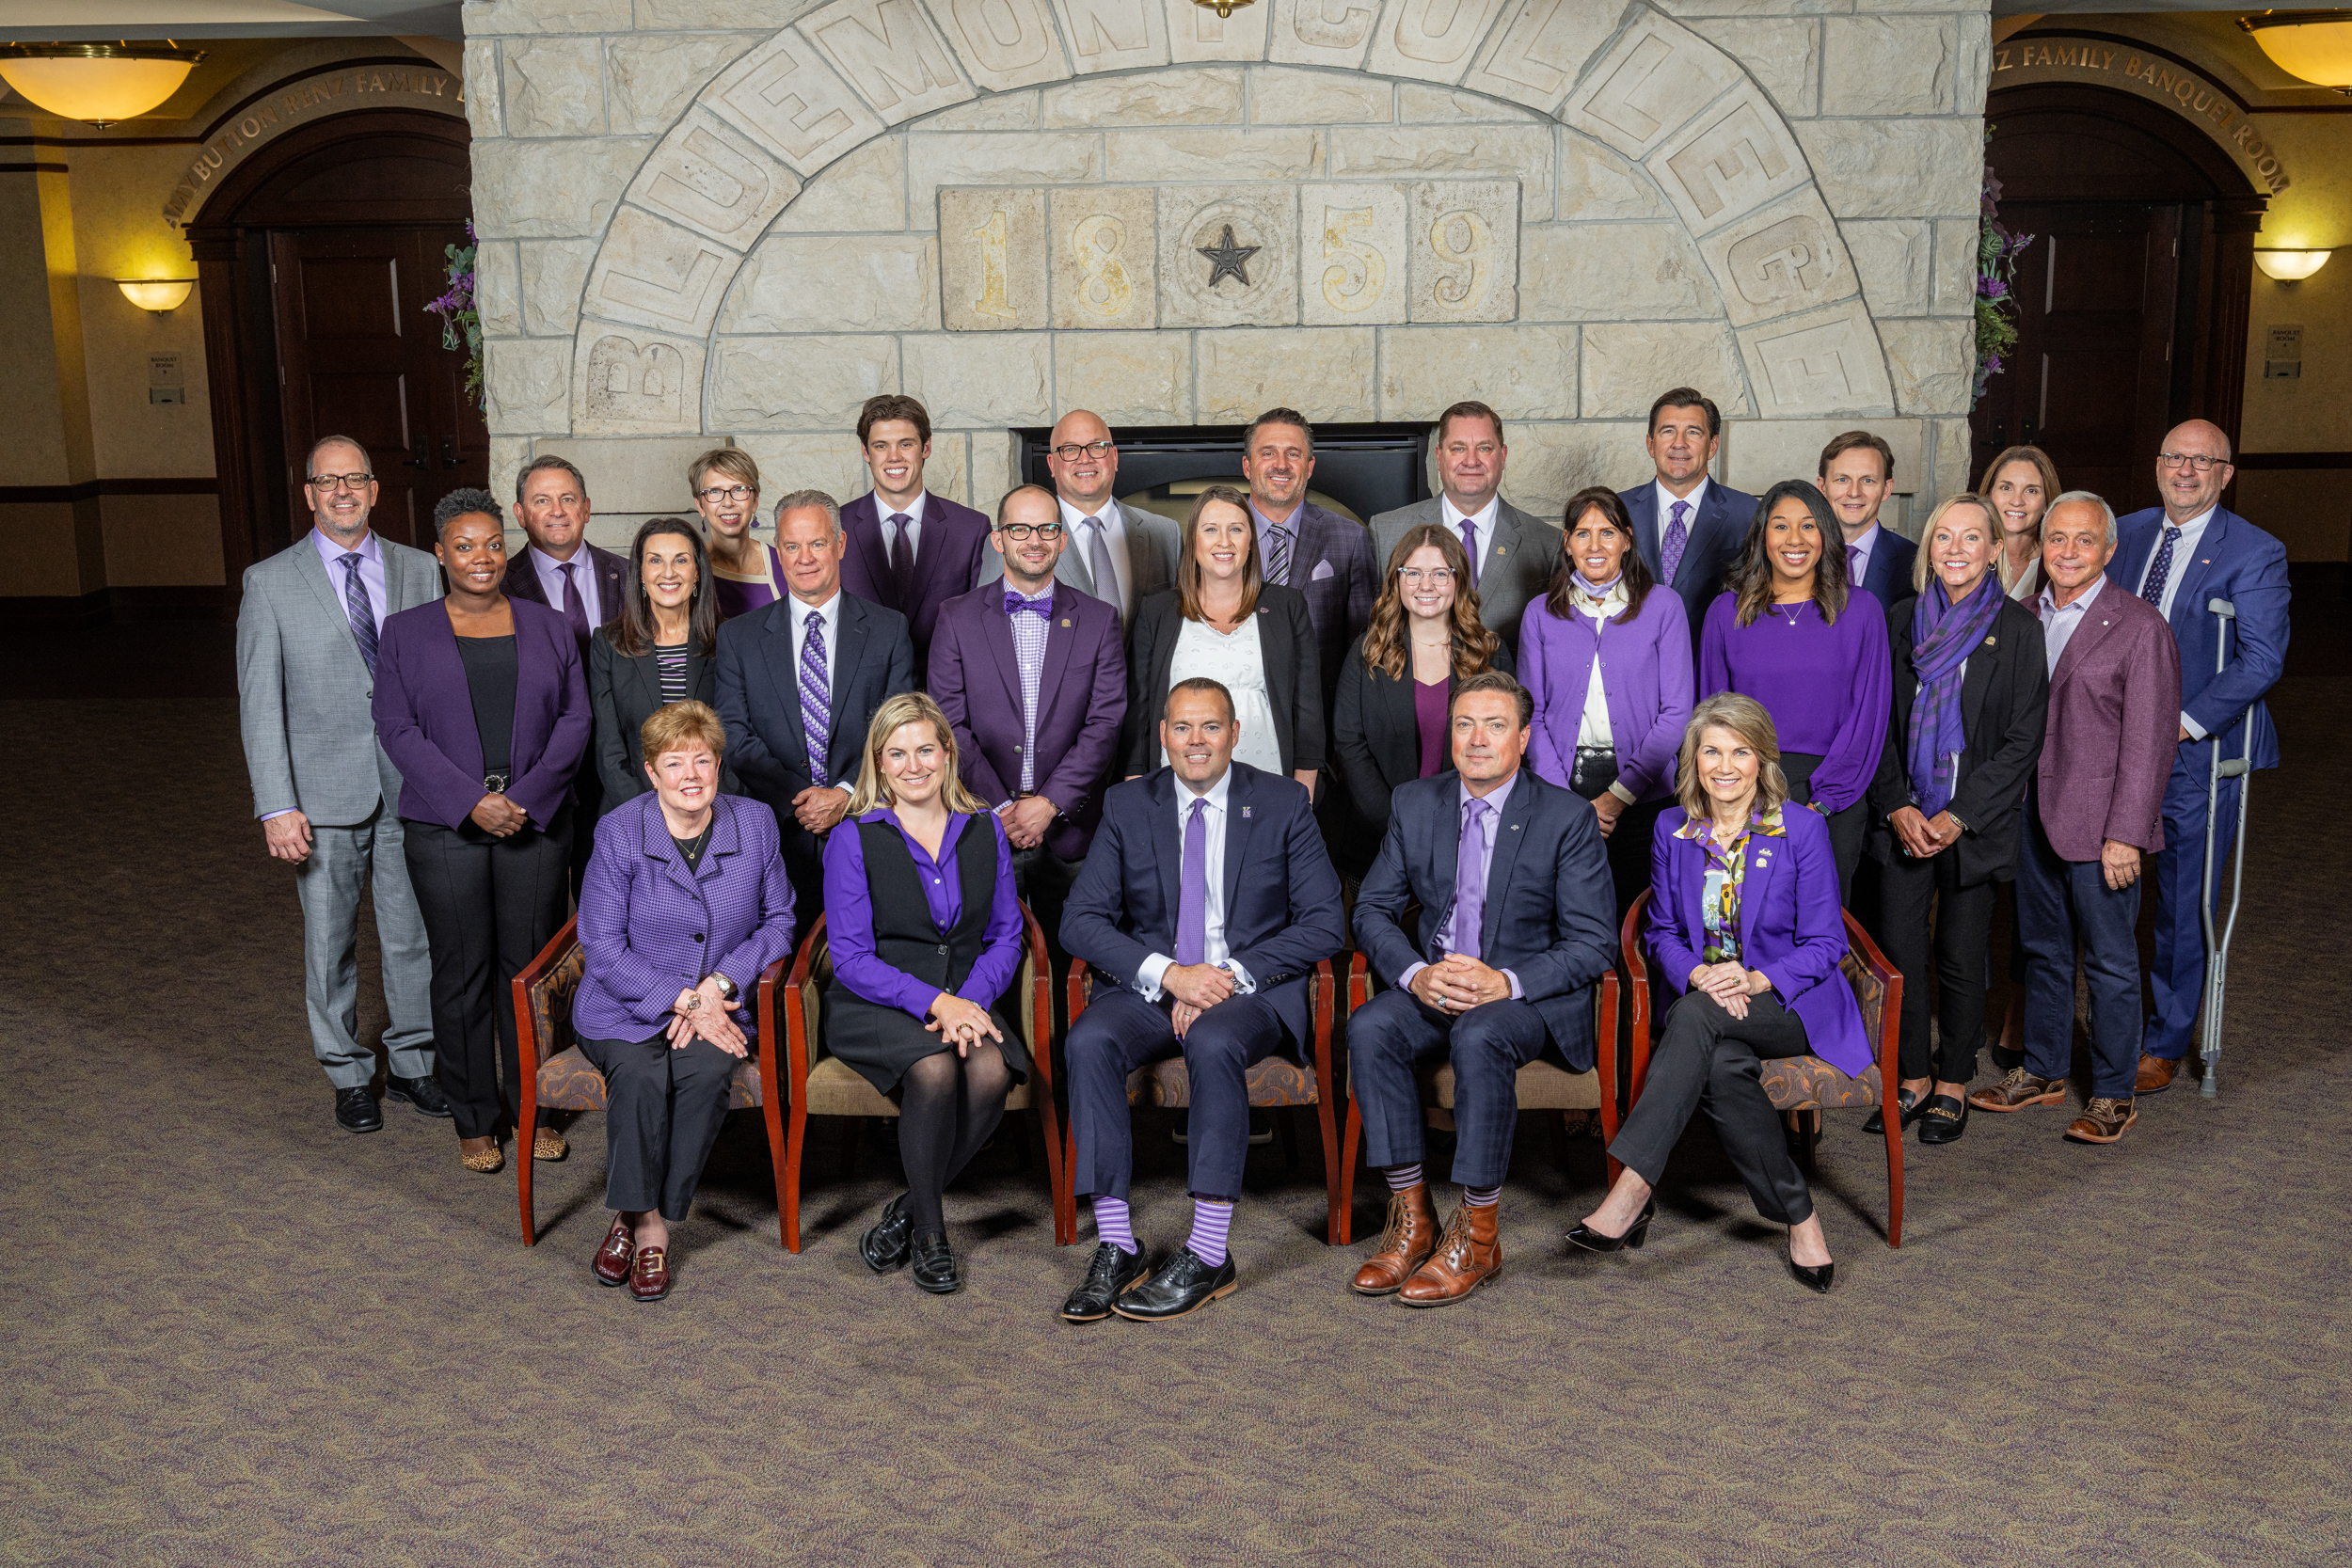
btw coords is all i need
(1116, 554)
(1513, 555)
(2179, 557)
(323, 789)
(908, 550)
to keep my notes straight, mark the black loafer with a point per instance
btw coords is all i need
(1943, 1120)
(935, 1266)
(1812, 1278)
(422, 1094)
(356, 1111)
(1185, 1285)
(1110, 1274)
(886, 1246)
(1911, 1106)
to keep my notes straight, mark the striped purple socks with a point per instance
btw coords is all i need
(1403, 1177)
(1480, 1198)
(1114, 1223)
(1211, 1221)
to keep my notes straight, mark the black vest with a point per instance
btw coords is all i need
(905, 936)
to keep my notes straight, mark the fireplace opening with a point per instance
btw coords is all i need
(1361, 469)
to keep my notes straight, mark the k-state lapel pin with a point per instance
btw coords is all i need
(1245, 811)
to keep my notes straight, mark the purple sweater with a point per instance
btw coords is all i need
(1827, 687)
(850, 912)
(1645, 677)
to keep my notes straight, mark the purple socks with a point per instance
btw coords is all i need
(1403, 1177)
(1114, 1223)
(1480, 1198)
(1211, 1221)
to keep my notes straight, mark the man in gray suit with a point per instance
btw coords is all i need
(1114, 555)
(323, 789)
(1513, 555)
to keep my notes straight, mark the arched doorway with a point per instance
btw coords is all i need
(2131, 300)
(317, 256)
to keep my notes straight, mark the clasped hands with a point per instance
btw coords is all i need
(1027, 819)
(499, 817)
(703, 1011)
(961, 1023)
(1730, 983)
(1921, 836)
(1196, 988)
(1456, 983)
(820, 808)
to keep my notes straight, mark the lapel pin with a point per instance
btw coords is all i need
(1065, 625)
(1992, 642)
(1245, 811)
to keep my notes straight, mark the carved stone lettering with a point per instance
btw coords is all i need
(1825, 362)
(630, 384)
(1430, 40)
(1465, 250)
(1735, 158)
(1263, 221)
(1113, 34)
(655, 274)
(992, 258)
(1353, 262)
(1539, 49)
(715, 180)
(1321, 32)
(1784, 261)
(1003, 43)
(1652, 82)
(890, 55)
(1105, 265)
(1780, 260)
(787, 96)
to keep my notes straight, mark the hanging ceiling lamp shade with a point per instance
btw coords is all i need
(2315, 46)
(99, 83)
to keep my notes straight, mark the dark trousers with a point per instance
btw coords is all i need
(1709, 1060)
(1044, 880)
(1910, 891)
(1120, 1031)
(2177, 974)
(1487, 1046)
(1628, 845)
(1847, 828)
(489, 905)
(2063, 904)
(663, 1109)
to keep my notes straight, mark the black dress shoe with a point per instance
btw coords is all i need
(1184, 1285)
(422, 1093)
(935, 1266)
(887, 1245)
(1111, 1272)
(1814, 1279)
(1593, 1240)
(1911, 1106)
(356, 1111)
(1943, 1120)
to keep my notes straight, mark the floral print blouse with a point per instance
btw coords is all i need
(1727, 869)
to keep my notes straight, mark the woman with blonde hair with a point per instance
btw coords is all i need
(2020, 484)
(745, 574)
(926, 933)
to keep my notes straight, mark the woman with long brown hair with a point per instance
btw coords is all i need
(2020, 484)
(656, 652)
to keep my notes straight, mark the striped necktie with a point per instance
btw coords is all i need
(360, 608)
(816, 697)
(1278, 555)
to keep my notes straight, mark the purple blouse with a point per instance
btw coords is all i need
(1827, 687)
(1429, 709)
(850, 914)
(741, 595)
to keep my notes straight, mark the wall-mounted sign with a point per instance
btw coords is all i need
(2282, 354)
(2101, 62)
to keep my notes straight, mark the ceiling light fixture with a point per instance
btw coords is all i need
(1224, 8)
(2311, 46)
(97, 83)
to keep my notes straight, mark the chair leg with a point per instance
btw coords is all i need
(789, 1197)
(525, 1136)
(1894, 1180)
(1330, 1171)
(1344, 1201)
(1065, 1188)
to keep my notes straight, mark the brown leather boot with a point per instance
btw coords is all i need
(1405, 1245)
(1467, 1257)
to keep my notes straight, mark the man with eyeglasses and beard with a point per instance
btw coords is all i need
(1117, 554)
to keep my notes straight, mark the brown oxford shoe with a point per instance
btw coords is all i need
(614, 1258)
(2020, 1091)
(2156, 1073)
(2102, 1121)
(1468, 1256)
(650, 1279)
(1405, 1245)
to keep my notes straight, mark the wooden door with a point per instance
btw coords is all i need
(2090, 378)
(359, 356)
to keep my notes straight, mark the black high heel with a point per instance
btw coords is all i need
(1593, 1240)
(1816, 1280)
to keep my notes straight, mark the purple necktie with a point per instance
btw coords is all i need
(360, 608)
(1469, 543)
(1670, 548)
(1192, 894)
(1469, 879)
(2161, 570)
(1853, 565)
(816, 697)
(903, 563)
(574, 609)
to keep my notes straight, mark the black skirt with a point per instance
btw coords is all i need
(880, 1042)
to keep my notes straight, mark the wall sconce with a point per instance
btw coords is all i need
(163, 296)
(2291, 266)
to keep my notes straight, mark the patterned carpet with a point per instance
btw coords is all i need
(240, 1336)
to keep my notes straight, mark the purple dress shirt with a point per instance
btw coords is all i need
(850, 913)
(551, 573)
(1827, 687)
(370, 571)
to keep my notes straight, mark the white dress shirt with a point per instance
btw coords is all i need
(2058, 625)
(913, 514)
(1485, 519)
(1213, 949)
(1668, 500)
(2182, 548)
(1115, 536)
(551, 580)
(829, 613)
(1236, 660)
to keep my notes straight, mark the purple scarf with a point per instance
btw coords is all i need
(1943, 635)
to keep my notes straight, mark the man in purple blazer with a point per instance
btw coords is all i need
(908, 549)
(2093, 808)
(1034, 680)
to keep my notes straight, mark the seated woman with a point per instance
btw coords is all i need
(1745, 921)
(926, 933)
(685, 881)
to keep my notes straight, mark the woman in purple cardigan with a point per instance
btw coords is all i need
(686, 902)
(1609, 665)
(1744, 922)
(481, 704)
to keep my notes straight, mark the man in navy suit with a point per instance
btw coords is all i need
(1204, 904)
(2179, 558)
(799, 682)
(1320, 553)
(908, 550)
(1857, 475)
(1516, 923)
(1688, 527)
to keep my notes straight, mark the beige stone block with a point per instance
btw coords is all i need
(651, 273)
(1760, 454)
(1782, 53)
(1261, 288)
(791, 101)
(837, 283)
(554, 190)
(637, 474)
(1780, 260)
(1518, 152)
(1003, 44)
(553, 274)
(1540, 49)
(1709, 8)
(1192, 96)
(1005, 158)
(654, 76)
(995, 454)
(1598, 187)
(1641, 271)
(864, 191)
(1105, 267)
(992, 260)
(1002, 378)
(497, 289)
(1826, 362)
(627, 382)
(527, 379)
(554, 88)
(800, 382)
(1324, 372)
(1418, 103)
(1955, 266)
(1197, 33)
(1285, 95)
(709, 176)
(666, 16)
(1627, 363)
(1891, 257)
(1353, 255)
(485, 105)
(484, 17)
(508, 453)
(1466, 250)
(1320, 32)
(1896, 168)
(891, 55)
(1200, 154)
(1113, 34)
(826, 461)
(1889, 65)
(1522, 372)
(1429, 41)
(1550, 462)
(1002, 111)
(1648, 85)
(1933, 364)
(1952, 464)
(1729, 161)
(1126, 377)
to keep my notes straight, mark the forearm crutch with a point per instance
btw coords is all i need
(2217, 942)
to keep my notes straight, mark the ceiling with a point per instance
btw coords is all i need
(53, 21)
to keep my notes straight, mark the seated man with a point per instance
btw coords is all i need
(1191, 956)
(1516, 923)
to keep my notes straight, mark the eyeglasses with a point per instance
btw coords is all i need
(1436, 576)
(717, 493)
(1069, 451)
(340, 481)
(1018, 531)
(2196, 460)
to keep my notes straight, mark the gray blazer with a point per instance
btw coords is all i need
(1515, 567)
(1152, 542)
(299, 675)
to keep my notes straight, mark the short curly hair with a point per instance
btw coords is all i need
(457, 504)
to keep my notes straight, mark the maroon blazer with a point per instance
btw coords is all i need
(424, 714)
(948, 560)
(2115, 717)
(1082, 698)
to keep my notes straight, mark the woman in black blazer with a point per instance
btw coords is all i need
(656, 652)
(1224, 621)
(1972, 689)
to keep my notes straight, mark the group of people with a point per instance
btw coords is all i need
(1183, 746)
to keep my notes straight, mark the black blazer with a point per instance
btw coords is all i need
(623, 693)
(2004, 702)
(1375, 735)
(1294, 679)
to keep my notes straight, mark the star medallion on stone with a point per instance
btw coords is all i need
(1228, 259)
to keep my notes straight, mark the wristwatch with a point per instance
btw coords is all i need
(726, 987)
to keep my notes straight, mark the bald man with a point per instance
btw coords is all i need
(1119, 554)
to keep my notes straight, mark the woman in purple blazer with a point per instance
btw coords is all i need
(1609, 664)
(481, 704)
(1744, 922)
(686, 902)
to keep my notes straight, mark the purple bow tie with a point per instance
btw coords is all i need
(1042, 606)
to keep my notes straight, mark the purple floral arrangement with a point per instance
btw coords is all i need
(1997, 251)
(458, 315)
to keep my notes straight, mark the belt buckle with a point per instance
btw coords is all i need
(495, 782)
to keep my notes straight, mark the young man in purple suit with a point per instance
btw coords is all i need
(908, 549)
(2093, 809)
(1688, 527)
